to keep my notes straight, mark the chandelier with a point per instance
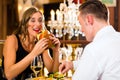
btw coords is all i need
(65, 20)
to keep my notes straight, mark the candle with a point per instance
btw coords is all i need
(64, 1)
(52, 15)
(45, 72)
(61, 16)
(70, 73)
(78, 2)
(58, 14)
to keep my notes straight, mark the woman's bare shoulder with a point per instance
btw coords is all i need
(11, 40)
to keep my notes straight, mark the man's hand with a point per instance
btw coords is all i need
(65, 66)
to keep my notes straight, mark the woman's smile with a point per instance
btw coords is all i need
(36, 30)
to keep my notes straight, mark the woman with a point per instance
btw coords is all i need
(21, 47)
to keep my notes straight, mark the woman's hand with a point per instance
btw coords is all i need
(55, 41)
(40, 46)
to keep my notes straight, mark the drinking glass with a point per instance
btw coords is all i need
(37, 66)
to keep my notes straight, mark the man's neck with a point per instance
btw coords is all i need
(99, 25)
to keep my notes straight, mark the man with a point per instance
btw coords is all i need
(101, 57)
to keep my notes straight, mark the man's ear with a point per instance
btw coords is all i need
(90, 19)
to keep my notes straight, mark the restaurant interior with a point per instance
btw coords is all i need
(68, 30)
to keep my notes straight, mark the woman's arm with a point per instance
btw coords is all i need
(12, 69)
(52, 64)
(48, 61)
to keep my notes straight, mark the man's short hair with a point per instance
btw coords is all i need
(96, 8)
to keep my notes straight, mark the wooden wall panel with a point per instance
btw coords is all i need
(3, 21)
(0, 19)
(119, 15)
(1, 26)
(115, 16)
(111, 9)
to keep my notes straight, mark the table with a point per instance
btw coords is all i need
(46, 78)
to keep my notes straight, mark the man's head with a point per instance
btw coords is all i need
(92, 14)
(97, 8)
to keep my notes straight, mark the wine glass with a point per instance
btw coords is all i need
(37, 66)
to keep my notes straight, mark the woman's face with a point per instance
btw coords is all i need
(35, 24)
